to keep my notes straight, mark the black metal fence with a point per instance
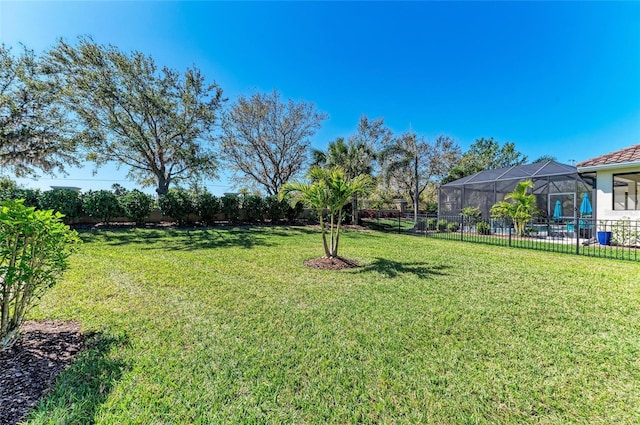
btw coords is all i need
(619, 239)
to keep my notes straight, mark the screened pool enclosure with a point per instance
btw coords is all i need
(558, 188)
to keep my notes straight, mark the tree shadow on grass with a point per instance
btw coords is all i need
(84, 386)
(391, 268)
(180, 239)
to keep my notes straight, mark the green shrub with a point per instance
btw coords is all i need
(442, 225)
(178, 204)
(294, 212)
(65, 201)
(7, 184)
(208, 207)
(432, 224)
(102, 205)
(483, 228)
(471, 215)
(34, 248)
(275, 209)
(31, 197)
(253, 207)
(453, 226)
(432, 207)
(136, 205)
(625, 232)
(231, 207)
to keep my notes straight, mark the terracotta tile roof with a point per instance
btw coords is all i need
(630, 154)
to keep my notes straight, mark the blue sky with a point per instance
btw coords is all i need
(558, 78)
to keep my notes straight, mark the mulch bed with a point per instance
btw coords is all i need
(29, 368)
(334, 263)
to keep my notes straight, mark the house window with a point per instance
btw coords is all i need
(626, 191)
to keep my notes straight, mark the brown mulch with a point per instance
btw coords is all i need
(29, 368)
(331, 263)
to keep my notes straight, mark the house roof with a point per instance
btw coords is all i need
(630, 154)
(520, 172)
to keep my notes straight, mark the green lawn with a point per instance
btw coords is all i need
(228, 326)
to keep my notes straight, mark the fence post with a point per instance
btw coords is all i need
(509, 234)
(461, 229)
(577, 230)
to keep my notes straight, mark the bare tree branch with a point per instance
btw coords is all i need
(266, 141)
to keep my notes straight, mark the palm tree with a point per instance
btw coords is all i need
(330, 189)
(354, 157)
(521, 208)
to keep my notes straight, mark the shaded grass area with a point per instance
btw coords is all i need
(389, 224)
(228, 326)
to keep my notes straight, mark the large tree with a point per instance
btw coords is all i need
(35, 133)
(374, 135)
(488, 154)
(352, 156)
(358, 155)
(157, 122)
(411, 164)
(266, 141)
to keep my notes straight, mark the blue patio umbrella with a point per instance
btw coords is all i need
(557, 211)
(585, 206)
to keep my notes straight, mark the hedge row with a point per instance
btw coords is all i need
(184, 206)
(181, 205)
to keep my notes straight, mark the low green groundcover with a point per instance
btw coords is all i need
(229, 326)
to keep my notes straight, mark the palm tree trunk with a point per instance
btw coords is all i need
(354, 209)
(324, 235)
(332, 229)
(334, 243)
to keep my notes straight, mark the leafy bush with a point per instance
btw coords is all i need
(442, 225)
(367, 214)
(7, 184)
(625, 232)
(178, 204)
(294, 212)
(275, 210)
(432, 224)
(208, 207)
(136, 205)
(67, 202)
(471, 214)
(432, 207)
(231, 207)
(34, 248)
(453, 226)
(31, 197)
(101, 204)
(253, 207)
(483, 228)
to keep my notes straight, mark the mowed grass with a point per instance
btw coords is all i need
(229, 326)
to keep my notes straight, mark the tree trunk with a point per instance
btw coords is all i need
(163, 185)
(354, 210)
(416, 191)
(324, 235)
